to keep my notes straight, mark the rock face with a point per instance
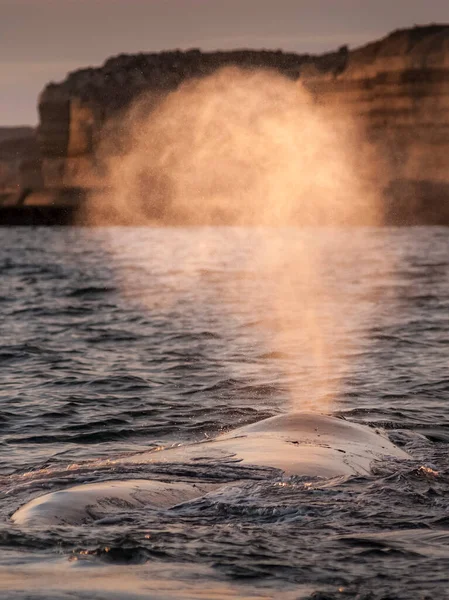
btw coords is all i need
(19, 159)
(15, 133)
(396, 88)
(74, 113)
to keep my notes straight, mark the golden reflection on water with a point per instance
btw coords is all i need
(167, 581)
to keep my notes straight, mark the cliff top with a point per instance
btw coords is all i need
(420, 40)
(121, 78)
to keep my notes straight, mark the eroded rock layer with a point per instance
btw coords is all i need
(398, 89)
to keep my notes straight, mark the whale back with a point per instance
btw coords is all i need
(86, 503)
(306, 444)
(302, 444)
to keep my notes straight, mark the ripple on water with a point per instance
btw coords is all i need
(90, 374)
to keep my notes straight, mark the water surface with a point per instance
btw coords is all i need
(109, 353)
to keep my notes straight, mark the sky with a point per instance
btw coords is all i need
(43, 40)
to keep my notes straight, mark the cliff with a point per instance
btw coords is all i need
(397, 88)
(19, 158)
(15, 133)
(74, 113)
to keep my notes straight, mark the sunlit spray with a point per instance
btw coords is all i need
(252, 148)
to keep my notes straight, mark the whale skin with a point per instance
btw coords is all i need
(302, 444)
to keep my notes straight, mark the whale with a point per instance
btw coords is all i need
(294, 444)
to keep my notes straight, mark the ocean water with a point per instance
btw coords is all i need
(114, 341)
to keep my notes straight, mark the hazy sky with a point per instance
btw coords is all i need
(41, 40)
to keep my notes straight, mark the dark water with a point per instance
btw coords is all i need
(89, 373)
